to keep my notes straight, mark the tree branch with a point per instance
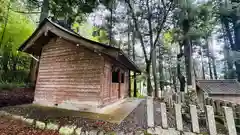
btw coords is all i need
(26, 12)
(137, 29)
(161, 25)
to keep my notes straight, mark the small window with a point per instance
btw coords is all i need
(115, 78)
(122, 77)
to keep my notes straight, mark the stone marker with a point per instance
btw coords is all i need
(218, 108)
(129, 133)
(120, 133)
(78, 131)
(40, 124)
(29, 121)
(210, 120)
(150, 112)
(67, 130)
(194, 118)
(230, 124)
(52, 126)
(178, 116)
(84, 133)
(93, 132)
(4, 113)
(101, 133)
(17, 117)
(164, 115)
(139, 133)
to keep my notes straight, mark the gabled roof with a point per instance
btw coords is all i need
(48, 29)
(226, 87)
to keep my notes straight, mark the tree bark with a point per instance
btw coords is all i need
(229, 71)
(44, 10)
(129, 54)
(174, 80)
(152, 50)
(214, 68)
(156, 93)
(111, 23)
(188, 61)
(236, 27)
(203, 70)
(209, 59)
(160, 68)
(149, 85)
(5, 24)
(181, 78)
(134, 59)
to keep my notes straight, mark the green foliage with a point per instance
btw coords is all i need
(14, 30)
(190, 98)
(11, 86)
(91, 32)
(70, 10)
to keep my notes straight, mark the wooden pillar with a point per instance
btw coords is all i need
(129, 85)
(119, 80)
(135, 85)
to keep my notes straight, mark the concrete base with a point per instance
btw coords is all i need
(83, 106)
(116, 111)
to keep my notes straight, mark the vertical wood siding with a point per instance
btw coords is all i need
(68, 73)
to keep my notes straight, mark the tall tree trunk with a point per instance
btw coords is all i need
(229, 71)
(188, 61)
(5, 24)
(210, 68)
(153, 58)
(156, 93)
(202, 64)
(174, 80)
(160, 68)
(44, 10)
(236, 27)
(209, 58)
(134, 59)
(149, 85)
(194, 71)
(214, 68)
(227, 30)
(170, 75)
(110, 30)
(129, 54)
(181, 78)
(188, 53)
(4, 48)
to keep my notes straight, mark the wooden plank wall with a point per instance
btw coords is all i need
(68, 72)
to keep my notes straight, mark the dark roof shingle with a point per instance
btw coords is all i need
(227, 87)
